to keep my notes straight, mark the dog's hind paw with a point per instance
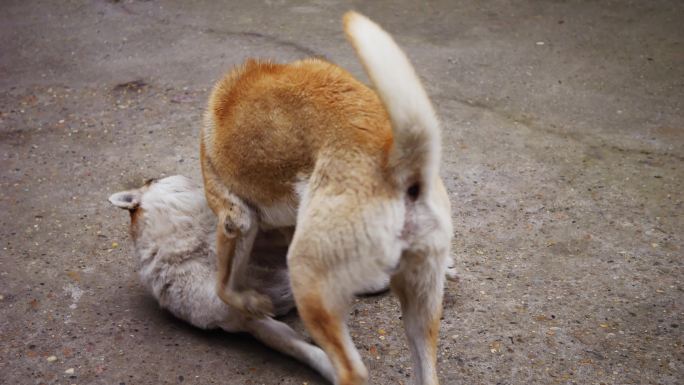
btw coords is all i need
(255, 304)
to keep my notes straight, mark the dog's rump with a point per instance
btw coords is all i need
(266, 124)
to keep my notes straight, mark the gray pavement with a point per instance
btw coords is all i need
(563, 155)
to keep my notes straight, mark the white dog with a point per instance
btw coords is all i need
(173, 231)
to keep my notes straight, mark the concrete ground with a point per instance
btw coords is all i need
(563, 155)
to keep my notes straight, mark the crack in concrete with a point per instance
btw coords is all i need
(208, 30)
(271, 39)
(529, 122)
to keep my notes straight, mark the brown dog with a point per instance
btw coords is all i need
(306, 144)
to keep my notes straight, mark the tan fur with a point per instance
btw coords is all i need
(273, 121)
(135, 214)
(314, 312)
(306, 144)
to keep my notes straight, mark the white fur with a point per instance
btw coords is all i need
(282, 214)
(174, 240)
(125, 199)
(416, 128)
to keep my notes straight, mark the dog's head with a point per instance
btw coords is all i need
(165, 208)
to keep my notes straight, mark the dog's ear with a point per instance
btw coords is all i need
(128, 200)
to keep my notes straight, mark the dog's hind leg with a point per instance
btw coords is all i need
(325, 318)
(237, 229)
(323, 294)
(282, 338)
(419, 285)
(419, 282)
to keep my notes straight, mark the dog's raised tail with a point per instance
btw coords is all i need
(415, 154)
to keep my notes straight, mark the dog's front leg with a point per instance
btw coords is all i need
(419, 284)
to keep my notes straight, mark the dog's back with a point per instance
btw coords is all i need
(268, 124)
